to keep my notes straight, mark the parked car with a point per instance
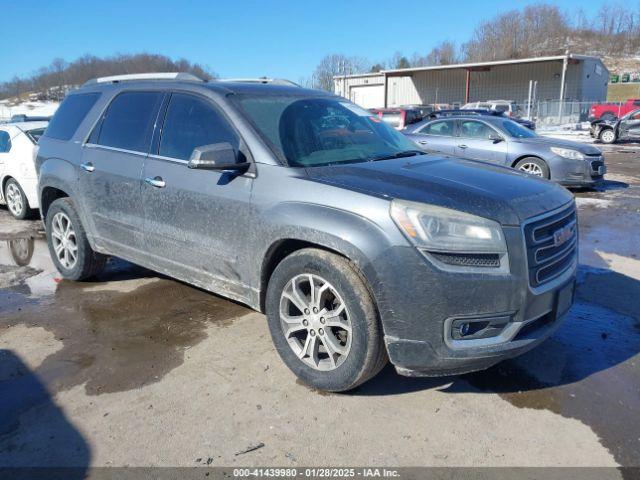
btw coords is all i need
(18, 179)
(508, 107)
(20, 117)
(610, 131)
(504, 142)
(398, 118)
(611, 111)
(423, 110)
(356, 245)
(531, 125)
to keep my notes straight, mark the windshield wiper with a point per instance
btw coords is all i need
(402, 154)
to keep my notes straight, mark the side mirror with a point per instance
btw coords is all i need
(216, 156)
(495, 138)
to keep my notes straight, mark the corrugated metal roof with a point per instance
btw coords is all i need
(473, 65)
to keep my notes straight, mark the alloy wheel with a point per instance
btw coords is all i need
(608, 136)
(531, 168)
(14, 199)
(65, 243)
(315, 322)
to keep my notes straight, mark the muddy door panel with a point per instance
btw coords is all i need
(194, 219)
(110, 185)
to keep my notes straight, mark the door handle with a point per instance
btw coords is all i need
(462, 146)
(157, 182)
(88, 167)
(422, 142)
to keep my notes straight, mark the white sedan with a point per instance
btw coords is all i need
(18, 177)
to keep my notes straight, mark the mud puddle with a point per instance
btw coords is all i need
(123, 330)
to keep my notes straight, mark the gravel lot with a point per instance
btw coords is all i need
(134, 369)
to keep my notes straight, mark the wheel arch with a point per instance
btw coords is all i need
(49, 195)
(522, 157)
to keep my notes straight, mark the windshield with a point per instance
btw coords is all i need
(516, 130)
(632, 114)
(311, 132)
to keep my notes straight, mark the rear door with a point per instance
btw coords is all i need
(438, 136)
(5, 149)
(112, 163)
(191, 215)
(473, 142)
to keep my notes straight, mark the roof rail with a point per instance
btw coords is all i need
(265, 80)
(144, 76)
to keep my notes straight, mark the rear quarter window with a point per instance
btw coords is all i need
(5, 142)
(70, 114)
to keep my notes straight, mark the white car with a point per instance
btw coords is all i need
(508, 107)
(18, 177)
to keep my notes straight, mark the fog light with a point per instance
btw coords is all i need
(464, 329)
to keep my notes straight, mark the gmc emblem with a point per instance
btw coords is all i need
(563, 234)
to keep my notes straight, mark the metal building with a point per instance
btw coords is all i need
(563, 77)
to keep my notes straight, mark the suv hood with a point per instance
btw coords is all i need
(556, 142)
(493, 192)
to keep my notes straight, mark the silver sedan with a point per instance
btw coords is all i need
(504, 142)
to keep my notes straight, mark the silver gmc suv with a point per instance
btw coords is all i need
(358, 247)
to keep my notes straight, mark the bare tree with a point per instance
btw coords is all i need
(336, 64)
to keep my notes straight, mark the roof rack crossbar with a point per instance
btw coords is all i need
(144, 76)
(272, 81)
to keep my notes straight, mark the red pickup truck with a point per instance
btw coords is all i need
(610, 111)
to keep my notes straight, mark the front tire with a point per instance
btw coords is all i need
(607, 136)
(16, 200)
(533, 166)
(68, 244)
(323, 321)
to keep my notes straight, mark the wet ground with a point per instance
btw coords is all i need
(136, 369)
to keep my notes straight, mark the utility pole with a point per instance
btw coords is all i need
(565, 62)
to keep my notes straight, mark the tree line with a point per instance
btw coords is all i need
(53, 81)
(536, 30)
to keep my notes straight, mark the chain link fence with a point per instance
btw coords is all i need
(556, 113)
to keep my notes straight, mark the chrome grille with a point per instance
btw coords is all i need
(552, 245)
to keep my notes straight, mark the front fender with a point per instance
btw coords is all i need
(358, 238)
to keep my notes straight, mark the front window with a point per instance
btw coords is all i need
(516, 130)
(473, 129)
(311, 132)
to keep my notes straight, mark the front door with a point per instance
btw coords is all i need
(476, 143)
(193, 217)
(630, 128)
(112, 161)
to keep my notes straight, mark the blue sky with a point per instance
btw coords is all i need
(238, 38)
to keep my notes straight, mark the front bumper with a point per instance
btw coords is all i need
(419, 303)
(589, 172)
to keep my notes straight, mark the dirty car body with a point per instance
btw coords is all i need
(625, 128)
(504, 142)
(317, 172)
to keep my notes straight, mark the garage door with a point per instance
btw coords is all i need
(367, 96)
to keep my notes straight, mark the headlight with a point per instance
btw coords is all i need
(568, 153)
(438, 229)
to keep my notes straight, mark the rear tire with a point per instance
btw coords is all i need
(326, 350)
(607, 136)
(68, 244)
(533, 166)
(16, 200)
